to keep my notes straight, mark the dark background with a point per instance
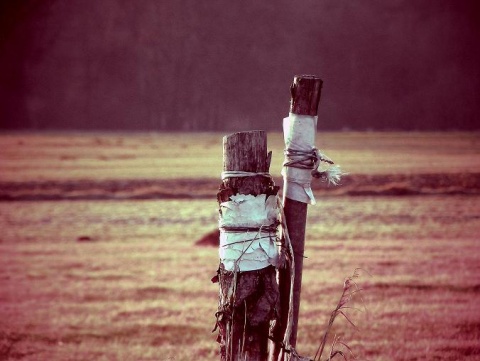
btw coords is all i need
(228, 65)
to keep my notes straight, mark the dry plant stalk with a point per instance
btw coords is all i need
(350, 288)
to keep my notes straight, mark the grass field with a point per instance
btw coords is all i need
(138, 288)
(59, 156)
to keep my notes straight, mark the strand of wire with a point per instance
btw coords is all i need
(271, 231)
(311, 160)
(233, 229)
(240, 174)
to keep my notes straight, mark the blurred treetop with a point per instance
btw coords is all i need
(211, 65)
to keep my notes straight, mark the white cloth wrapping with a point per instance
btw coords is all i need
(252, 250)
(299, 134)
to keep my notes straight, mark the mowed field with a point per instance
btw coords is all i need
(98, 257)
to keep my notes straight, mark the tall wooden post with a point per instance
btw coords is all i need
(305, 97)
(248, 300)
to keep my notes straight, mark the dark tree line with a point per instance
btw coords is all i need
(212, 65)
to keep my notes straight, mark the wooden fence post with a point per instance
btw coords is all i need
(248, 300)
(305, 97)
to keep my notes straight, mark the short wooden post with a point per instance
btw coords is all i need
(305, 92)
(248, 300)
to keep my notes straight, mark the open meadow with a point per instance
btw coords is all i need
(99, 261)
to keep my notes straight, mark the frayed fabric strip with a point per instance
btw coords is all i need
(299, 134)
(303, 160)
(247, 251)
(256, 248)
(299, 188)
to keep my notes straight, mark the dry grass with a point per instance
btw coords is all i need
(59, 156)
(134, 292)
(140, 289)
